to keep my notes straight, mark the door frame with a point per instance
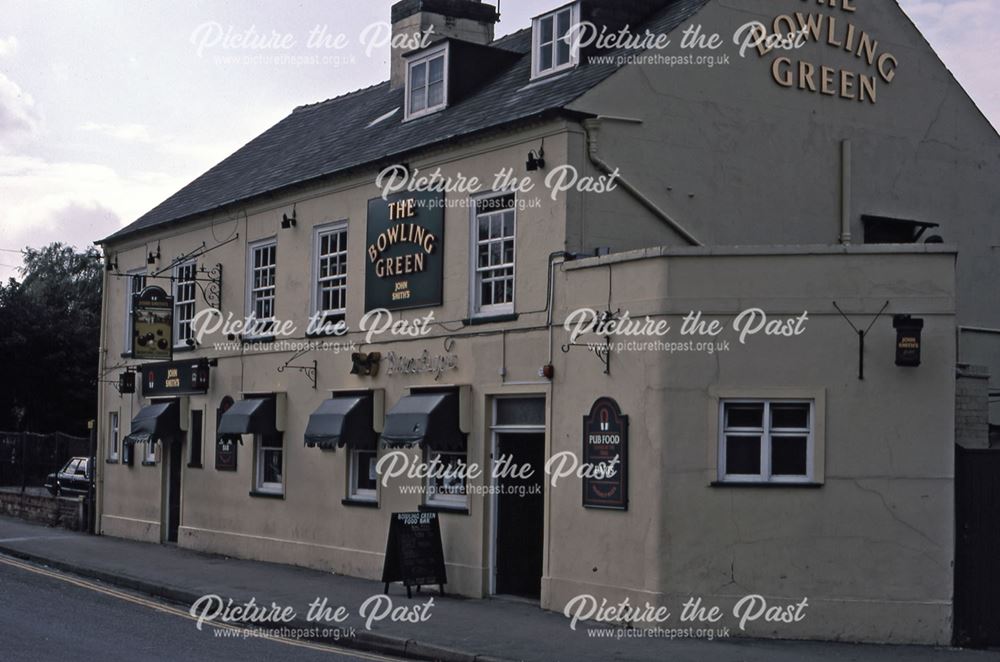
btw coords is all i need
(494, 505)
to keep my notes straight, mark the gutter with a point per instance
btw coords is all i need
(591, 128)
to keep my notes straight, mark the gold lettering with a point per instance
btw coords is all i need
(887, 72)
(806, 71)
(846, 84)
(826, 76)
(784, 80)
(867, 88)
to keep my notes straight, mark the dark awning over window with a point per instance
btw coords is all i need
(160, 420)
(250, 416)
(343, 420)
(425, 419)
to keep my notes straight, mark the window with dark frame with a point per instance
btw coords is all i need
(766, 441)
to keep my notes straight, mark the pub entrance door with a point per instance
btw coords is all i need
(173, 451)
(520, 516)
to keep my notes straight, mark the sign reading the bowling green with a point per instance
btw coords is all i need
(153, 325)
(834, 24)
(404, 264)
(605, 452)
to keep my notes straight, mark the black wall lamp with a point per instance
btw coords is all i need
(153, 257)
(288, 221)
(536, 160)
(111, 265)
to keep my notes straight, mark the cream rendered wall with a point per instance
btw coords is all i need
(872, 548)
(309, 526)
(739, 160)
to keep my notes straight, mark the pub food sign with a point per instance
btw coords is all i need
(153, 325)
(404, 265)
(605, 451)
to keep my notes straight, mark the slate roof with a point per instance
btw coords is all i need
(333, 136)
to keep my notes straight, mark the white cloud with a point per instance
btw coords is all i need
(76, 203)
(8, 45)
(207, 153)
(18, 113)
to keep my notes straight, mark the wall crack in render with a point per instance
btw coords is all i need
(892, 513)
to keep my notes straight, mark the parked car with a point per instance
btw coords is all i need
(73, 478)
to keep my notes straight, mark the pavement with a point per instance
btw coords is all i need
(458, 629)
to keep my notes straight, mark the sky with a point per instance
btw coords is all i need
(110, 106)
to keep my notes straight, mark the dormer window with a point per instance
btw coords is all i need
(426, 82)
(552, 50)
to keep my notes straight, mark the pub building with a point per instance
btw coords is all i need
(822, 246)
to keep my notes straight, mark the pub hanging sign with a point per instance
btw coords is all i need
(605, 453)
(153, 325)
(404, 265)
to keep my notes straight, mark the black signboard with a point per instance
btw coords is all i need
(177, 378)
(153, 325)
(126, 382)
(605, 451)
(908, 331)
(225, 447)
(404, 265)
(413, 552)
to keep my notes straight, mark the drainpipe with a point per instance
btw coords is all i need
(101, 452)
(592, 128)
(845, 192)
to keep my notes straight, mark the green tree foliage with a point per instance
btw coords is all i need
(49, 337)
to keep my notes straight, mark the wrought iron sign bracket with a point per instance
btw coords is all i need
(601, 351)
(861, 335)
(211, 285)
(309, 371)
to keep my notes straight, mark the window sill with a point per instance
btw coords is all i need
(768, 485)
(181, 349)
(111, 460)
(267, 495)
(195, 465)
(147, 463)
(440, 508)
(360, 503)
(490, 319)
(127, 355)
(257, 340)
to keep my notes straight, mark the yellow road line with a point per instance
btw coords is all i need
(151, 604)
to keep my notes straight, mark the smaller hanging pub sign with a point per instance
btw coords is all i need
(605, 451)
(153, 325)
